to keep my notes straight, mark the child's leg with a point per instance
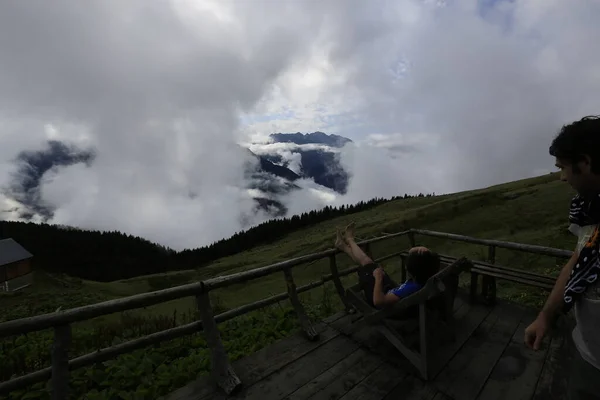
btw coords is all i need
(348, 245)
(364, 260)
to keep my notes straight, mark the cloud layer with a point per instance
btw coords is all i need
(436, 96)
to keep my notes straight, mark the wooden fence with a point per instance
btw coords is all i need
(221, 370)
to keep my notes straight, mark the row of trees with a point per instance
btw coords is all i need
(108, 256)
(95, 255)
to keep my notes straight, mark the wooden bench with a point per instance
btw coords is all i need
(489, 273)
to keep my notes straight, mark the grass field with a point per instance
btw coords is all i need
(530, 211)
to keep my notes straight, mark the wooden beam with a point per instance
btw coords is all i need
(102, 355)
(492, 254)
(537, 281)
(45, 321)
(221, 370)
(256, 273)
(423, 337)
(60, 362)
(473, 288)
(155, 338)
(483, 269)
(26, 325)
(67, 317)
(489, 282)
(529, 248)
(307, 328)
(396, 340)
(227, 315)
(513, 278)
(503, 269)
(339, 287)
(411, 238)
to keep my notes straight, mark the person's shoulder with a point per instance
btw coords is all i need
(412, 284)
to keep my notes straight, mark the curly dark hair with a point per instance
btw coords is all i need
(422, 266)
(577, 140)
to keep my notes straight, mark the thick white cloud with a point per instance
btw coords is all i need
(438, 96)
(476, 90)
(156, 89)
(283, 148)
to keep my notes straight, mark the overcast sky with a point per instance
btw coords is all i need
(437, 96)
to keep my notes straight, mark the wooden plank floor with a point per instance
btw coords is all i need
(488, 360)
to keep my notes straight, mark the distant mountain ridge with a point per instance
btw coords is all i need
(273, 177)
(321, 165)
(311, 138)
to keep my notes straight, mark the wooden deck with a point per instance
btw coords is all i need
(488, 360)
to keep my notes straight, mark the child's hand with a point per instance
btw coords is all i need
(378, 273)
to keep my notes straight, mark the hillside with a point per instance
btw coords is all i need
(529, 211)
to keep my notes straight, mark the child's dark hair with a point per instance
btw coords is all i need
(422, 266)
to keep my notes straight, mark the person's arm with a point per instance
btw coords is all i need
(380, 298)
(555, 299)
(536, 331)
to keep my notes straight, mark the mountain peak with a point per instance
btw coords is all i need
(311, 138)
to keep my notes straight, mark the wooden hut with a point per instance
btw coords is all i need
(15, 266)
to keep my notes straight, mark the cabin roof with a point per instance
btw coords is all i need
(11, 251)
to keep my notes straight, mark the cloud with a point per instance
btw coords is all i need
(446, 96)
(270, 148)
(437, 96)
(493, 90)
(158, 88)
(32, 166)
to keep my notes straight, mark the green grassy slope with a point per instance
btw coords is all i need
(529, 211)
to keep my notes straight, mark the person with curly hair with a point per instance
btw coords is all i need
(576, 149)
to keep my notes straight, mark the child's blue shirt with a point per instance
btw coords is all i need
(406, 289)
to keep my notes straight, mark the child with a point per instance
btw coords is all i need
(380, 290)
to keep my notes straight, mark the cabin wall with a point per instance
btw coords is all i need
(19, 282)
(16, 275)
(17, 269)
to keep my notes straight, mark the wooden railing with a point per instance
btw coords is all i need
(221, 370)
(489, 271)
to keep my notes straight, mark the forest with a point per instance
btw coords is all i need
(109, 256)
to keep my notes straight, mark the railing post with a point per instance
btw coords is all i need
(60, 362)
(338, 283)
(307, 328)
(423, 338)
(411, 238)
(473, 291)
(489, 282)
(221, 370)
